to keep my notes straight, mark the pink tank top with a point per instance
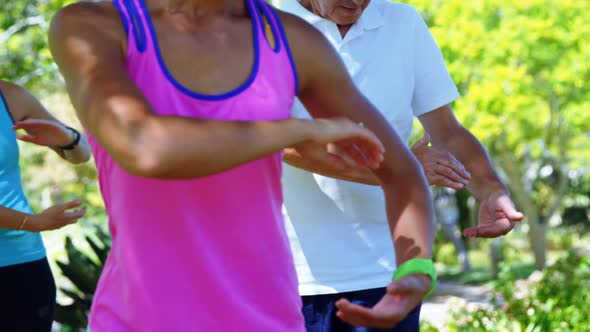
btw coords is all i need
(208, 254)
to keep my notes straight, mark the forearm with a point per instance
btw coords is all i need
(408, 200)
(470, 152)
(407, 193)
(409, 210)
(171, 147)
(175, 147)
(11, 219)
(360, 175)
(79, 154)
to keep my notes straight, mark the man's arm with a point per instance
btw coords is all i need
(88, 41)
(440, 167)
(326, 90)
(447, 133)
(497, 215)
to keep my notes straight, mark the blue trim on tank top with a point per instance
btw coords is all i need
(287, 48)
(139, 32)
(262, 6)
(258, 16)
(5, 104)
(182, 88)
(123, 16)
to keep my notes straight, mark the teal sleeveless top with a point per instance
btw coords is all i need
(16, 247)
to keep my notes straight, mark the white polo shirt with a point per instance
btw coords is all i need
(338, 230)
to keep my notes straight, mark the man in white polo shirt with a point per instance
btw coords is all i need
(338, 229)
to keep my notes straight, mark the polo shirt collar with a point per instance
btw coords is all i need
(370, 19)
(295, 8)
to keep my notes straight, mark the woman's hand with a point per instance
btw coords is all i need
(323, 156)
(340, 143)
(401, 298)
(440, 167)
(44, 132)
(339, 148)
(55, 217)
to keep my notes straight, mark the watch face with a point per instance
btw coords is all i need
(75, 141)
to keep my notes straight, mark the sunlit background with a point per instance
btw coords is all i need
(522, 68)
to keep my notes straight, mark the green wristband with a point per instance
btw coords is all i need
(417, 266)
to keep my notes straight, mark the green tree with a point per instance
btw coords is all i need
(24, 56)
(522, 67)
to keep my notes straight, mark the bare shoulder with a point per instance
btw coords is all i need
(298, 31)
(86, 36)
(20, 101)
(10, 89)
(100, 19)
(103, 12)
(310, 49)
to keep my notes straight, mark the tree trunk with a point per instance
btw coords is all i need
(536, 233)
(496, 256)
(453, 233)
(448, 214)
(538, 241)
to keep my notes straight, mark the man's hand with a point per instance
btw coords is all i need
(401, 298)
(497, 216)
(329, 160)
(343, 137)
(441, 167)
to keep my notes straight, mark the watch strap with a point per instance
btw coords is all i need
(74, 142)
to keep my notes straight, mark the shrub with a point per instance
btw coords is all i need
(83, 271)
(446, 254)
(554, 300)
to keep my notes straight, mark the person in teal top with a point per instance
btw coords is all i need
(27, 289)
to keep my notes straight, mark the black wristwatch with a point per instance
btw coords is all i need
(74, 142)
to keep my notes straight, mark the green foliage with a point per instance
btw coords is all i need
(521, 66)
(83, 270)
(446, 254)
(462, 197)
(522, 69)
(564, 238)
(555, 300)
(577, 211)
(426, 326)
(24, 55)
(518, 261)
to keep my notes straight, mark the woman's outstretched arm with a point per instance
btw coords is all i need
(88, 44)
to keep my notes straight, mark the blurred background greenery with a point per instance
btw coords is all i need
(522, 68)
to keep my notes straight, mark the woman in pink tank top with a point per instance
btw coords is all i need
(187, 105)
